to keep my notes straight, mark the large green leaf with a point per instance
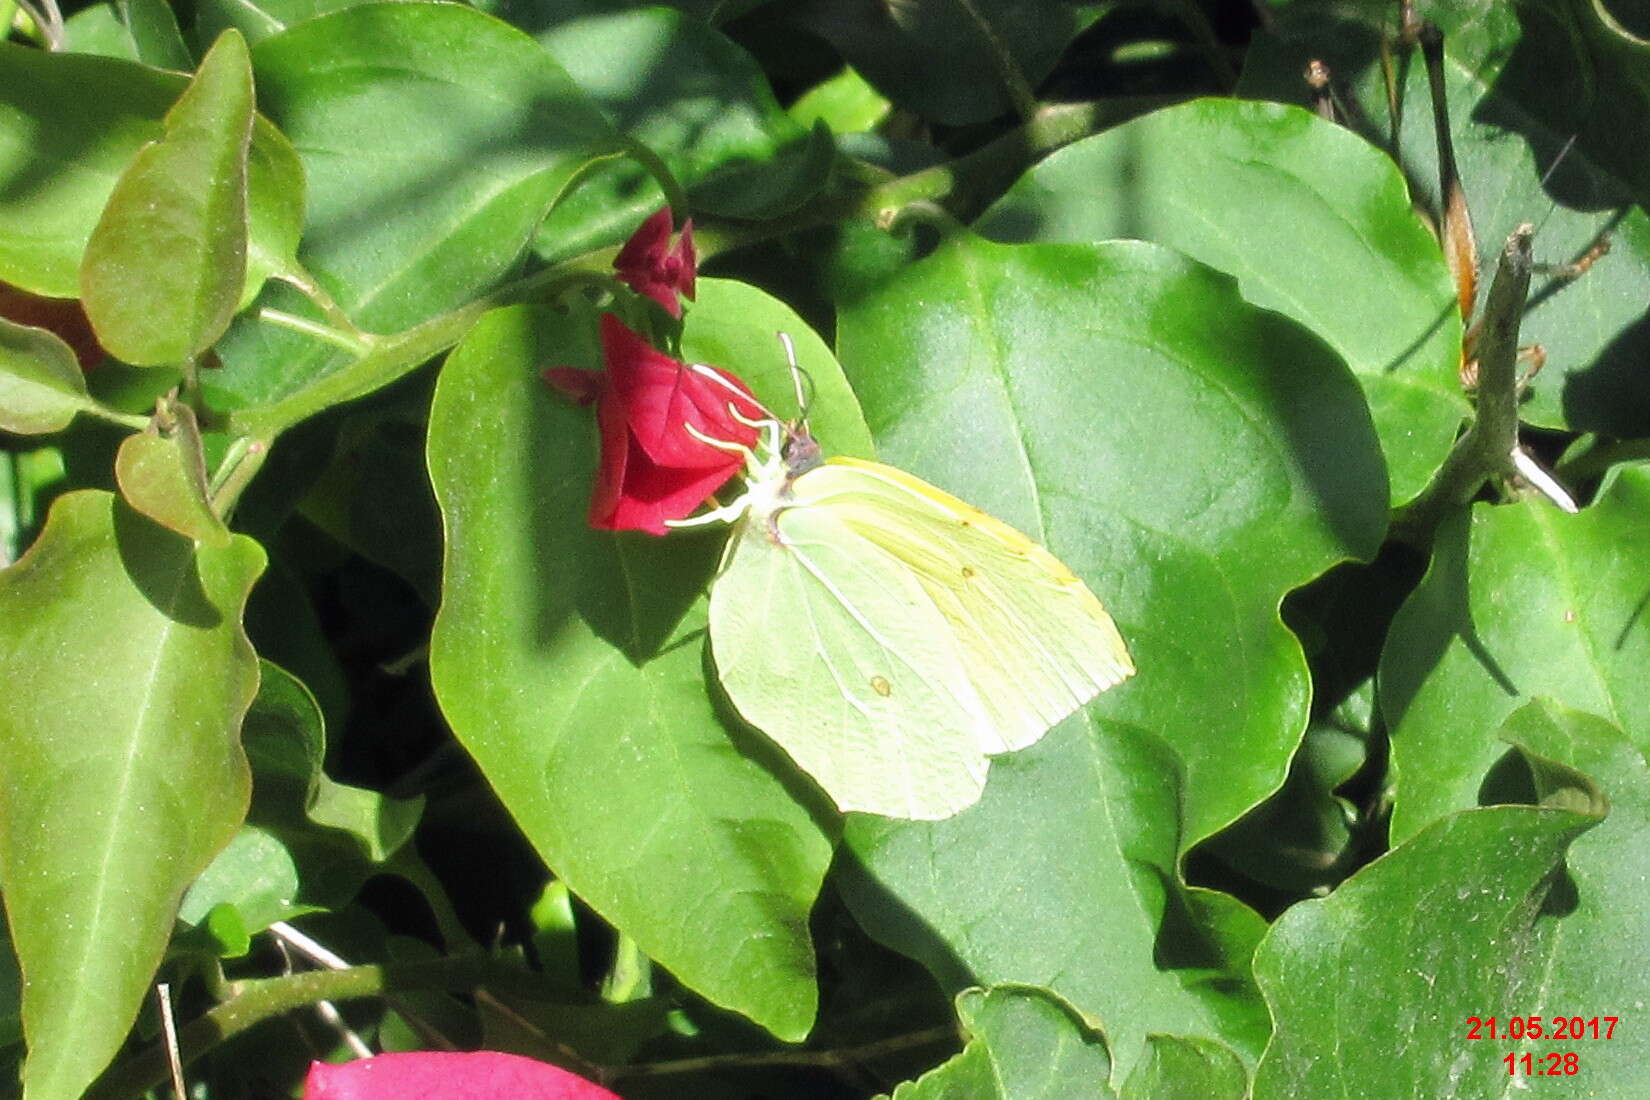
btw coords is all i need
(1520, 600)
(69, 125)
(950, 62)
(165, 265)
(1193, 458)
(1511, 911)
(675, 85)
(1024, 1043)
(569, 663)
(434, 139)
(1312, 221)
(1177, 1068)
(127, 675)
(1548, 115)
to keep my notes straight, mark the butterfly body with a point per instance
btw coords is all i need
(891, 638)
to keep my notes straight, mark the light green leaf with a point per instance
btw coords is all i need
(1472, 916)
(155, 35)
(1192, 458)
(164, 477)
(127, 676)
(1311, 220)
(1176, 1067)
(1520, 600)
(70, 124)
(41, 387)
(165, 265)
(1024, 1043)
(569, 663)
(1548, 117)
(845, 102)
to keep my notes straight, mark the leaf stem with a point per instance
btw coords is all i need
(300, 278)
(114, 416)
(348, 339)
(240, 463)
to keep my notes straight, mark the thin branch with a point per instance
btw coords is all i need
(822, 1059)
(169, 1036)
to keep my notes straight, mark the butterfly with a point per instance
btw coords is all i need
(890, 637)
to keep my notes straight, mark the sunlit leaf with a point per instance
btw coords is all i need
(127, 676)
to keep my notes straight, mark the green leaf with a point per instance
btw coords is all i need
(434, 138)
(309, 842)
(569, 663)
(1309, 219)
(1470, 917)
(1593, 969)
(1193, 458)
(951, 62)
(127, 676)
(1520, 600)
(165, 265)
(155, 35)
(1547, 114)
(69, 126)
(1024, 1043)
(164, 477)
(41, 387)
(681, 88)
(1179, 1068)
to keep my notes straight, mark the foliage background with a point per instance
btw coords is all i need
(321, 643)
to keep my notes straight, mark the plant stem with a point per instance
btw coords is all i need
(263, 999)
(306, 283)
(629, 977)
(845, 1056)
(1486, 450)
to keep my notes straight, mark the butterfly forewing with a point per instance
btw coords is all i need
(1035, 641)
(841, 658)
(891, 638)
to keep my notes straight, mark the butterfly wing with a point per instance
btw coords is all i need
(834, 650)
(922, 635)
(1035, 642)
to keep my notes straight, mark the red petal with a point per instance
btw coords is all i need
(583, 386)
(646, 247)
(686, 262)
(448, 1075)
(653, 494)
(660, 395)
(614, 460)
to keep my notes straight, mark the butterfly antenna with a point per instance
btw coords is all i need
(1548, 175)
(801, 381)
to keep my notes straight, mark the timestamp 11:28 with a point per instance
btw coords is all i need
(1543, 1065)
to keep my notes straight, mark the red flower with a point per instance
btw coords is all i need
(448, 1075)
(652, 468)
(651, 267)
